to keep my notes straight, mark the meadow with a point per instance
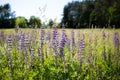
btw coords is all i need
(60, 54)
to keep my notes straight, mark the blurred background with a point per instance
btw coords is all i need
(67, 13)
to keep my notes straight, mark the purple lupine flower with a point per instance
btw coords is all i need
(72, 38)
(116, 49)
(62, 43)
(78, 40)
(48, 39)
(48, 36)
(9, 43)
(2, 37)
(81, 45)
(16, 37)
(78, 37)
(116, 40)
(2, 34)
(32, 51)
(42, 36)
(68, 43)
(26, 43)
(9, 47)
(55, 42)
(25, 46)
(72, 43)
(116, 45)
(104, 48)
(31, 37)
(42, 44)
(80, 52)
(21, 44)
(55, 39)
(21, 41)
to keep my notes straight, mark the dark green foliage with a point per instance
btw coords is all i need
(51, 22)
(76, 14)
(21, 22)
(34, 22)
(92, 13)
(7, 19)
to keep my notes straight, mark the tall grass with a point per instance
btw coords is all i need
(60, 54)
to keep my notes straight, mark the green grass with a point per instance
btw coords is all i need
(98, 61)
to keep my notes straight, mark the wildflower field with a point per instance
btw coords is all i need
(60, 54)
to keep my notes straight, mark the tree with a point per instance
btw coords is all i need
(106, 13)
(51, 22)
(34, 22)
(114, 17)
(99, 13)
(70, 14)
(76, 14)
(87, 8)
(7, 19)
(21, 22)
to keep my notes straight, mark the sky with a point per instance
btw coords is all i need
(44, 9)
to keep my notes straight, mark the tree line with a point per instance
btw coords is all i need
(92, 13)
(9, 20)
(76, 14)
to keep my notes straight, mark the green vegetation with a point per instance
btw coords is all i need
(92, 13)
(60, 54)
(7, 19)
(21, 22)
(35, 22)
